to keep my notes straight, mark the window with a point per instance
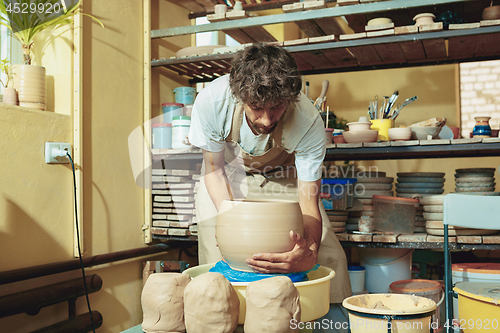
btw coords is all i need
(10, 48)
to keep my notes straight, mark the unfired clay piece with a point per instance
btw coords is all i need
(271, 304)
(211, 305)
(163, 302)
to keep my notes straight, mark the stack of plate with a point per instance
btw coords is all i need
(419, 220)
(433, 213)
(420, 183)
(372, 183)
(475, 181)
(369, 183)
(338, 219)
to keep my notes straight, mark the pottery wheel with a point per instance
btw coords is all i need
(368, 194)
(478, 170)
(423, 185)
(475, 184)
(373, 186)
(474, 179)
(432, 200)
(462, 232)
(475, 175)
(420, 174)
(433, 208)
(420, 180)
(420, 190)
(337, 224)
(475, 189)
(334, 218)
(375, 180)
(434, 216)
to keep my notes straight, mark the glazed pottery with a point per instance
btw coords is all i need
(423, 132)
(382, 126)
(247, 227)
(399, 134)
(29, 81)
(482, 128)
(359, 126)
(10, 96)
(220, 9)
(424, 18)
(238, 5)
(361, 136)
(491, 13)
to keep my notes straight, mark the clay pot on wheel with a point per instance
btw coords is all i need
(247, 227)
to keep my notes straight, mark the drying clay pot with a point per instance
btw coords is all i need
(424, 18)
(247, 227)
(162, 302)
(271, 305)
(211, 304)
(491, 13)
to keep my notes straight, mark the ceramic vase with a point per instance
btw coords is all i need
(247, 227)
(424, 18)
(482, 128)
(10, 96)
(29, 81)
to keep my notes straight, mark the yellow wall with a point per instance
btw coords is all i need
(36, 219)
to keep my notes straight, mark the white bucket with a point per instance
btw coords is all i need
(473, 272)
(384, 266)
(357, 277)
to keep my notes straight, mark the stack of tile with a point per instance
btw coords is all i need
(410, 184)
(338, 219)
(480, 181)
(173, 201)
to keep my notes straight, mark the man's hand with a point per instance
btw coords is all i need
(301, 258)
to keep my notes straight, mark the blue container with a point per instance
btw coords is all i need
(171, 110)
(184, 95)
(481, 131)
(337, 193)
(162, 135)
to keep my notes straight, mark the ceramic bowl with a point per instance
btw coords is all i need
(359, 126)
(422, 132)
(379, 21)
(491, 13)
(361, 136)
(400, 134)
(247, 227)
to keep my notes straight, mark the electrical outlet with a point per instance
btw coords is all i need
(55, 152)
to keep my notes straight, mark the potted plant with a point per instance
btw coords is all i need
(9, 93)
(25, 19)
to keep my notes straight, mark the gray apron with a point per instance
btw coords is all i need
(280, 182)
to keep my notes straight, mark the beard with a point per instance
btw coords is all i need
(260, 129)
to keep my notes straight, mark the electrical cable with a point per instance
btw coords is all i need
(78, 243)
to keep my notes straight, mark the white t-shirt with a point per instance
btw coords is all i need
(211, 121)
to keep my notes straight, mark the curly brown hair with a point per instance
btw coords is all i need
(264, 74)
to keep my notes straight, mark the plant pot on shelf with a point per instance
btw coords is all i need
(29, 81)
(10, 96)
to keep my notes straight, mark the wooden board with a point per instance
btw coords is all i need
(487, 45)
(413, 50)
(316, 59)
(390, 53)
(459, 47)
(435, 48)
(366, 55)
(340, 57)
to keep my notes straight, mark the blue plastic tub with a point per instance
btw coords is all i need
(171, 110)
(337, 193)
(184, 95)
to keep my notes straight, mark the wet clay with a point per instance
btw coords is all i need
(271, 304)
(162, 302)
(211, 305)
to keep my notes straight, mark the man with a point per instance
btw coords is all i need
(258, 134)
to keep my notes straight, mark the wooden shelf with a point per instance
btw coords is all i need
(362, 54)
(413, 152)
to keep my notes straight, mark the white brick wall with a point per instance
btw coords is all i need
(479, 93)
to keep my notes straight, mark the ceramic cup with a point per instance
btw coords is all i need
(220, 9)
(238, 5)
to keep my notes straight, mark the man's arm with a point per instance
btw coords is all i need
(218, 186)
(305, 253)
